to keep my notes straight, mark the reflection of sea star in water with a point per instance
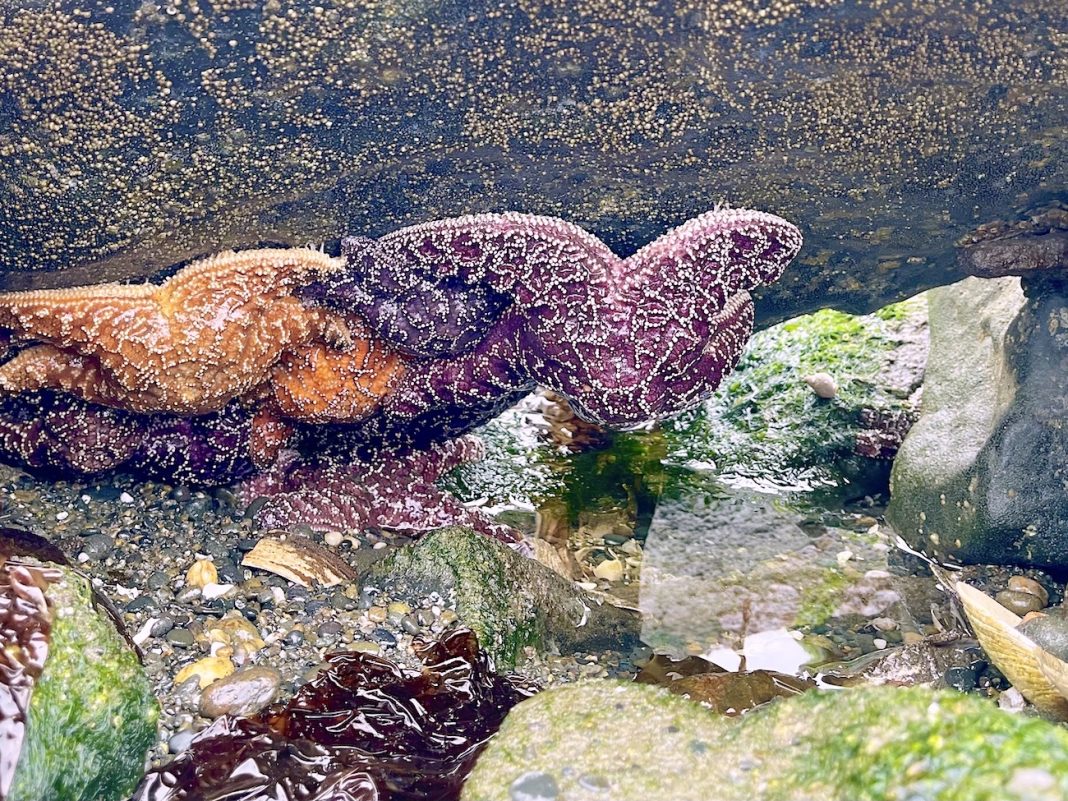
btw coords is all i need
(60, 435)
(207, 335)
(624, 340)
(394, 490)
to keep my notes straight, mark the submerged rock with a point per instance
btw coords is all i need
(606, 739)
(508, 600)
(77, 714)
(981, 476)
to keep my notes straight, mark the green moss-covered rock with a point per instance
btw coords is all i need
(92, 715)
(766, 424)
(508, 600)
(607, 739)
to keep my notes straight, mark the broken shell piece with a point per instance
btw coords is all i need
(1014, 654)
(1054, 669)
(823, 384)
(300, 560)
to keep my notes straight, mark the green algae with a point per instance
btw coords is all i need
(765, 425)
(92, 714)
(865, 744)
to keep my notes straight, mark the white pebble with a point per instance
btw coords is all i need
(333, 538)
(378, 546)
(62, 515)
(213, 591)
(126, 498)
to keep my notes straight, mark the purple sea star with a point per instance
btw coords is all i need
(624, 340)
(395, 490)
(58, 434)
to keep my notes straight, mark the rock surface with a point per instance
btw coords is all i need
(603, 739)
(508, 600)
(135, 136)
(91, 716)
(981, 476)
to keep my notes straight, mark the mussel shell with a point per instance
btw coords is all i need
(1013, 652)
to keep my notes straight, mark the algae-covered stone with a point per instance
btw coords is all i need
(508, 600)
(92, 715)
(766, 424)
(607, 739)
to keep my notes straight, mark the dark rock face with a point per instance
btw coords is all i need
(136, 136)
(984, 480)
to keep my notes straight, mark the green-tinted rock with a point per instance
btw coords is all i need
(92, 714)
(508, 600)
(604, 739)
(981, 476)
(968, 386)
(767, 425)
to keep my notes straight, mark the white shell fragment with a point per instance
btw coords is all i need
(300, 560)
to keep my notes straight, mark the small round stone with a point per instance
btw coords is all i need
(180, 638)
(180, 741)
(1019, 602)
(410, 624)
(1030, 586)
(294, 638)
(377, 614)
(162, 626)
(384, 636)
(98, 546)
(534, 786)
(243, 692)
(424, 617)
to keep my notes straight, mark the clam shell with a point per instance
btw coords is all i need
(300, 560)
(1012, 652)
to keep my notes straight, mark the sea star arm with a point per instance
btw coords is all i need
(437, 288)
(49, 367)
(727, 250)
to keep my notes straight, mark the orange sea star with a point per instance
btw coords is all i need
(213, 332)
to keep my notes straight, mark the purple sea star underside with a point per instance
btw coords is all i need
(394, 490)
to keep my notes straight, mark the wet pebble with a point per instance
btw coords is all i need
(162, 626)
(329, 632)
(425, 617)
(377, 614)
(243, 692)
(1019, 602)
(1029, 586)
(410, 624)
(294, 638)
(142, 603)
(964, 679)
(157, 579)
(180, 741)
(180, 638)
(97, 546)
(384, 636)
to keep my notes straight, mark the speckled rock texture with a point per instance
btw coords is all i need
(603, 739)
(136, 136)
(981, 476)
